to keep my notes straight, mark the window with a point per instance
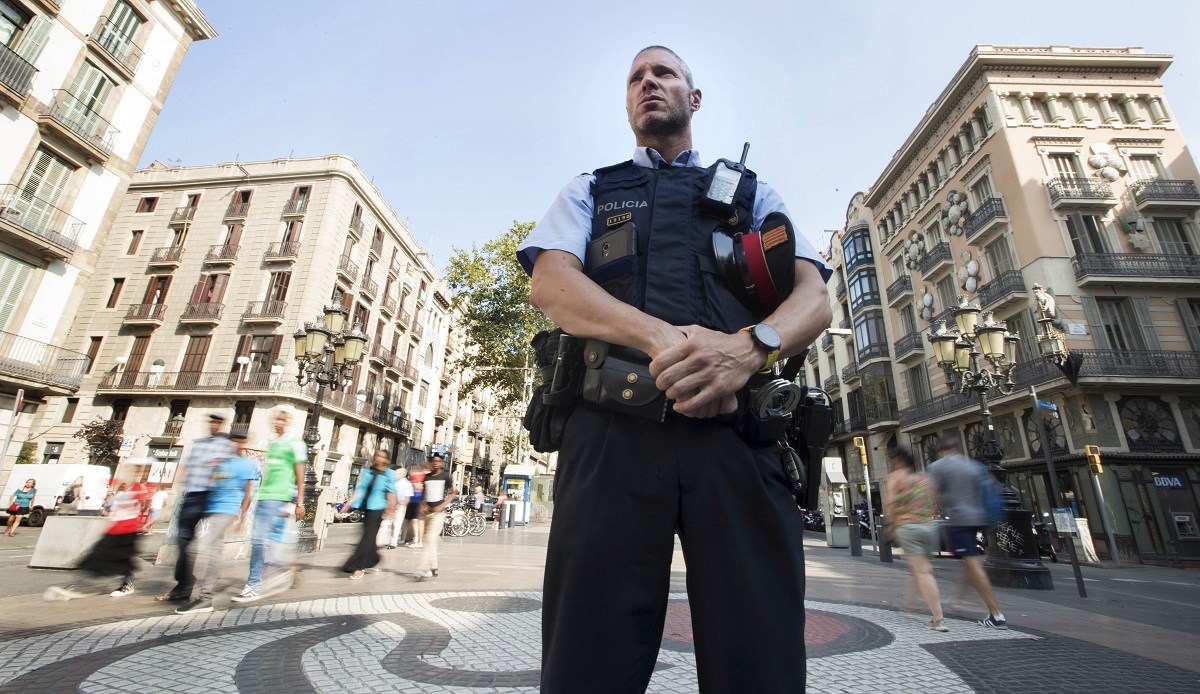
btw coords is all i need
(857, 247)
(1087, 234)
(278, 286)
(116, 35)
(1142, 166)
(93, 351)
(86, 99)
(291, 231)
(156, 291)
(999, 256)
(175, 418)
(69, 411)
(193, 201)
(147, 204)
(261, 349)
(233, 234)
(1189, 311)
(423, 399)
(210, 289)
(869, 335)
(933, 234)
(898, 268)
(38, 197)
(1064, 165)
(1173, 236)
(1120, 325)
(362, 317)
(135, 240)
(981, 192)
(1022, 326)
(115, 294)
(52, 453)
(917, 379)
(429, 357)
(947, 292)
(120, 410)
(243, 412)
(908, 320)
(864, 289)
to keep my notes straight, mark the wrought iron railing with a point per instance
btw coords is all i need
(844, 324)
(856, 424)
(946, 316)
(348, 267)
(1163, 190)
(901, 286)
(221, 252)
(443, 412)
(369, 286)
(166, 254)
(356, 226)
(841, 289)
(21, 357)
(15, 72)
(908, 343)
(381, 354)
(408, 373)
(265, 309)
(297, 206)
(239, 429)
(827, 341)
(1148, 265)
(991, 209)
(117, 44)
(404, 319)
(1006, 284)
(1035, 372)
(203, 310)
(81, 120)
(934, 407)
(850, 372)
(940, 253)
(282, 249)
(39, 217)
(237, 210)
(146, 312)
(377, 247)
(831, 383)
(183, 214)
(389, 304)
(1078, 188)
(1099, 363)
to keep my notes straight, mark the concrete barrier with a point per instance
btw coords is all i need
(65, 540)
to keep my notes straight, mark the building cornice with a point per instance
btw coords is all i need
(193, 19)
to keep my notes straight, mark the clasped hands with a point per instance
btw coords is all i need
(702, 369)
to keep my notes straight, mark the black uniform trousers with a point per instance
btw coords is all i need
(190, 514)
(623, 488)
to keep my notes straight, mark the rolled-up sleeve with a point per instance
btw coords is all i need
(766, 201)
(567, 225)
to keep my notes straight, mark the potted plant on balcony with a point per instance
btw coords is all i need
(156, 370)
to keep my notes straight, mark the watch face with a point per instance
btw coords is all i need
(766, 336)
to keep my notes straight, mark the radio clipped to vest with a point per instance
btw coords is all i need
(722, 188)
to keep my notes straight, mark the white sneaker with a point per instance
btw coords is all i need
(415, 545)
(125, 589)
(422, 575)
(248, 594)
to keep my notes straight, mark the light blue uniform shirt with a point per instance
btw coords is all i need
(567, 226)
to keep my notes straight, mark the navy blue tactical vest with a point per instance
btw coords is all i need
(674, 275)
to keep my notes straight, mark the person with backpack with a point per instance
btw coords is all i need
(963, 487)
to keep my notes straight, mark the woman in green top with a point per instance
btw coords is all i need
(910, 507)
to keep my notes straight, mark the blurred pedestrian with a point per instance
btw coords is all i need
(19, 505)
(230, 493)
(910, 507)
(438, 494)
(404, 492)
(960, 490)
(282, 483)
(113, 554)
(158, 502)
(376, 495)
(412, 513)
(69, 503)
(198, 467)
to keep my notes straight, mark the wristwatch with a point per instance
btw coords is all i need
(766, 337)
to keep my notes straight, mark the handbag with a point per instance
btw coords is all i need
(14, 508)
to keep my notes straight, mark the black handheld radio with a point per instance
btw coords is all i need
(723, 186)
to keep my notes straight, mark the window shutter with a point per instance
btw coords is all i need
(243, 349)
(200, 290)
(220, 282)
(14, 277)
(1095, 323)
(33, 39)
(1141, 309)
(1189, 321)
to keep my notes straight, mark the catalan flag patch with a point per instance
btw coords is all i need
(774, 237)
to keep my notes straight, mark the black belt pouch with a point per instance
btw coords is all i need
(618, 379)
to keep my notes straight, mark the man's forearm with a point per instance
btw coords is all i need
(581, 307)
(805, 313)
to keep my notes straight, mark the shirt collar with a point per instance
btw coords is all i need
(650, 158)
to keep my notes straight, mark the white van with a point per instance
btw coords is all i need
(52, 482)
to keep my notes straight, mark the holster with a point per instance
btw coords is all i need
(618, 379)
(557, 356)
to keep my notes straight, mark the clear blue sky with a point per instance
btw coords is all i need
(469, 115)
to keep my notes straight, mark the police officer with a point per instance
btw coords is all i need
(625, 485)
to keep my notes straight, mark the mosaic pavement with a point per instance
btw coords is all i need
(488, 641)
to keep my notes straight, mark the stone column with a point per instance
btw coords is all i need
(1129, 101)
(922, 189)
(1158, 111)
(1056, 113)
(977, 132)
(941, 167)
(1107, 114)
(952, 155)
(1027, 111)
(931, 179)
(964, 143)
(1080, 108)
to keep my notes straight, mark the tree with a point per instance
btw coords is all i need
(492, 293)
(104, 441)
(25, 457)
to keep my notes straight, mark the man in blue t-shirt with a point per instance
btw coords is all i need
(229, 497)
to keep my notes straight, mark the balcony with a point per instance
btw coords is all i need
(982, 224)
(910, 346)
(1079, 192)
(442, 413)
(900, 288)
(145, 314)
(192, 381)
(934, 259)
(882, 415)
(37, 225)
(1155, 194)
(381, 355)
(841, 289)
(377, 247)
(15, 76)
(166, 256)
(182, 215)
(69, 117)
(394, 269)
(404, 319)
(1007, 288)
(850, 373)
(946, 316)
(827, 341)
(264, 312)
(856, 425)
(831, 384)
(202, 312)
(935, 408)
(239, 430)
(295, 208)
(408, 373)
(1135, 268)
(221, 254)
(812, 356)
(872, 351)
(844, 324)
(369, 287)
(356, 227)
(41, 364)
(347, 270)
(282, 251)
(172, 429)
(116, 47)
(417, 332)
(1104, 364)
(1035, 372)
(237, 210)
(388, 305)
(51, 7)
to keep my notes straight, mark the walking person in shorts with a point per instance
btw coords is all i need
(910, 507)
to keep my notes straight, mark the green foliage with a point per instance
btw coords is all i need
(25, 457)
(104, 441)
(492, 292)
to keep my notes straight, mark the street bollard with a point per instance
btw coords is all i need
(885, 545)
(509, 513)
(855, 540)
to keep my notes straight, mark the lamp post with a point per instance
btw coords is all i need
(325, 354)
(979, 355)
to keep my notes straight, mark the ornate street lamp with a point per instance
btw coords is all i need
(978, 355)
(325, 355)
